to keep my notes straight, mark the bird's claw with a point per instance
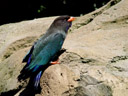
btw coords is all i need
(55, 62)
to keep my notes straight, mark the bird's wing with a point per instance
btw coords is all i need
(35, 49)
(54, 44)
(28, 55)
(46, 54)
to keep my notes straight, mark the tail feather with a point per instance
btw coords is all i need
(37, 80)
(24, 73)
(33, 73)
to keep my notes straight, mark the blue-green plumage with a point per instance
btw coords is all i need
(44, 50)
(45, 55)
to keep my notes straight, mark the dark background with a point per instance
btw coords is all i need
(18, 10)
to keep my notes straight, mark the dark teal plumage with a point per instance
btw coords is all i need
(44, 50)
(44, 56)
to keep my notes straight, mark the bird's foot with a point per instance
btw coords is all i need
(55, 62)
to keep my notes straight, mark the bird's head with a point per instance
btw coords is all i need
(62, 23)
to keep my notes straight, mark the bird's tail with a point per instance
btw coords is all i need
(24, 73)
(33, 86)
(37, 80)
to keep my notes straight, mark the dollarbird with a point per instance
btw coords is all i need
(46, 50)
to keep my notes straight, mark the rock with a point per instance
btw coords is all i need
(89, 86)
(8, 76)
(95, 63)
(56, 80)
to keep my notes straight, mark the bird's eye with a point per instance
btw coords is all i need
(64, 20)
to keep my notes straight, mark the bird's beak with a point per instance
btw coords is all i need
(71, 19)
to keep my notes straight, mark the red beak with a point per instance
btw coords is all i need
(71, 19)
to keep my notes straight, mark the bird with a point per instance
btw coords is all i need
(46, 50)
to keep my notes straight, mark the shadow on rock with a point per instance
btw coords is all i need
(11, 92)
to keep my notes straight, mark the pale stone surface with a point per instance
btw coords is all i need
(96, 61)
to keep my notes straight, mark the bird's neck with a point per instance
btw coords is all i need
(62, 32)
(54, 31)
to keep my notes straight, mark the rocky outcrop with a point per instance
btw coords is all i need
(95, 63)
